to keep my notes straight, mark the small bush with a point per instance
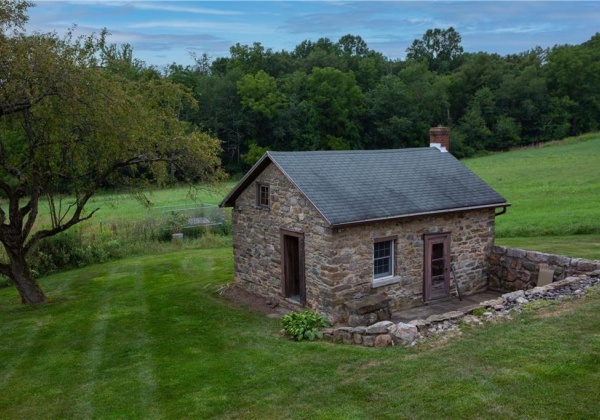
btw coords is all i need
(478, 311)
(71, 250)
(304, 325)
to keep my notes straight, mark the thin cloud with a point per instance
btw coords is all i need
(180, 9)
(180, 24)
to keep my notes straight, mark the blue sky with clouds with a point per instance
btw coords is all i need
(162, 32)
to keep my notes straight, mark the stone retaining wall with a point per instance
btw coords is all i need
(513, 270)
(517, 269)
(386, 333)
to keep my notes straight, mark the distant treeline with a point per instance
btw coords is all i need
(343, 95)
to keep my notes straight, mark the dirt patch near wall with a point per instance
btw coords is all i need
(254, 302)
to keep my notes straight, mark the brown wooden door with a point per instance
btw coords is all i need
(292, 249)
(436, 273)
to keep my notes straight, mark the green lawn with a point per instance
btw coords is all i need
(150, 337)
(581, 246)
(555, 195)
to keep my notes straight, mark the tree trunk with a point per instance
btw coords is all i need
(21, 275)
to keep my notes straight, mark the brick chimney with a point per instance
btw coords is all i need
(439, 137)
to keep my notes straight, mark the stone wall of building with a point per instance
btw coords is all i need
(472, 235)
(517, 269)
(257, 236)
(339, 262)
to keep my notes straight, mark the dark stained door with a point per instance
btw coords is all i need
(293, 266)
(436, 273)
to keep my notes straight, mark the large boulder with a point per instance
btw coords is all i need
(404, 334)
(367, 304)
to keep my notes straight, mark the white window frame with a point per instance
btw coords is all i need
(387, 279)
(391, 257)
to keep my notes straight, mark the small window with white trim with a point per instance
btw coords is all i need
(383, 258)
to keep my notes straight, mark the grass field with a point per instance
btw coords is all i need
(124, 207)
(555, 195)
(149, 337)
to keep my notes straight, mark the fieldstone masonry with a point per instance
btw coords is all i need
(517, 269)
(512, 270)
(386, 333)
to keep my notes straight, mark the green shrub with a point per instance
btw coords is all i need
(479, 311)
(304, 325)
(70, 249)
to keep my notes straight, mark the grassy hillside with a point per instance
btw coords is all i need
(555, 195)
(124, 207)
(149, 337)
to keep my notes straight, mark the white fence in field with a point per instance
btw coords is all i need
(177, 219)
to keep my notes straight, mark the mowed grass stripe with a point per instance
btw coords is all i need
(92, 359)
(53, 362)
(123, 368)
(194, 338)
(23, 335)
(146, 367)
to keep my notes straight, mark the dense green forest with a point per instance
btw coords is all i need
(343, 95)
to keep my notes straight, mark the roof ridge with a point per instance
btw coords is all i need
(408, 149)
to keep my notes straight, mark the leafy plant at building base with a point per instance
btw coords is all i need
(304, 325)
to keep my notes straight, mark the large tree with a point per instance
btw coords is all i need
(68, 126)
(440, 48)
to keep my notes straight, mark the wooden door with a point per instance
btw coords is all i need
(292, 258)
(436, 272)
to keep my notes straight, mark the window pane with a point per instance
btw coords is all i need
(263, 195)
(437, 251)
(382, 266)
(437, 268)
(382, 249)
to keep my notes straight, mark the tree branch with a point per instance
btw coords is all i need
(31, 207)
(23, 106)
(41, 234)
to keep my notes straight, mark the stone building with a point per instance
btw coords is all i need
(362, 233)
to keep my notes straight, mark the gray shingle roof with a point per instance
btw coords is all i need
(356, 186)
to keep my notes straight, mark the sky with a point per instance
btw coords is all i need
(163, 32)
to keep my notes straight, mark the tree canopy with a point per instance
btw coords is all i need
(75, 116)
(327, 95)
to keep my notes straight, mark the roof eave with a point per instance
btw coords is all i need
(263, 162)
(420, 214)
(229, 200)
